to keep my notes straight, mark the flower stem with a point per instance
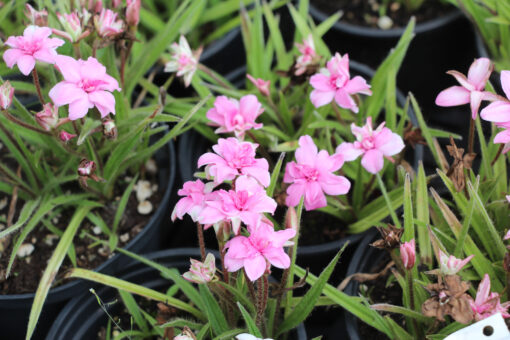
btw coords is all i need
(251, 289)
(388, 201)
(500, 150)
(25, 125)
(410, 287)
(200, 233)
(471, 140)
(37, 84)
(211, 74)
(262, 292)
(290, 280)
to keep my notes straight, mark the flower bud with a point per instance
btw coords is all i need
(261, 84)
(95, 6)
(72, 24)
(186, 334)
(507, 236)
(109, 129)
(291, 220)
(107, 25)
(66, 136)
(38, 18)
(6, 94)
(86, 167)
(408, 254)
(48, 118)
(116, 3)
(452, 265)
(133, 12)
(201, 272)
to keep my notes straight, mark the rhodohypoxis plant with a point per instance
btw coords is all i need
(79, 139)
(236, 203)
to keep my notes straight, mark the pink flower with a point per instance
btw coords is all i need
(452, 265)
(66, 137)
(38, 18)
(201, 272)
(257, 252)
(34, 45)
(73, 26)
(48, 118)
(235, 116)
(373, 145)
(308, 55)
(507, 236)
(487, 303)
(133, 12)
(107, 25)
(261, 85)
(95, 6)
(312, 176)
(183, 60)
(195, 195)
(85, 85)
(471, 89)
(234, 158)
(6, 95)
(408, 254)
(335, 83)
(246, 204)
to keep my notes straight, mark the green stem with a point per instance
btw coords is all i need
(410, 287)
(471, 140)
(396, 222)
(290, 280)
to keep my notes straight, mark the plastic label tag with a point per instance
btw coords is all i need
(491, 328)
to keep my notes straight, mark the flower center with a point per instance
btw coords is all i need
(243, 158)
(89, 85)
(309, 173)
(240, 199)
(238, 120)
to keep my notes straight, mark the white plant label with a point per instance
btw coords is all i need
(492, 328)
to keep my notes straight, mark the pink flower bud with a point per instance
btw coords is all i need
(66, 136)
(6, 94)
(261, 84)
(86, 168)
(133, 12)
(95, 6)
(201, 272)
(73, 26)
(408, 254)
(291, 220)
(48, 118)
(107, 25)
(507, 235)
(38, 18)
(116, 3)
(452, 265)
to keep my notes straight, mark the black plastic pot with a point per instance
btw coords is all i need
(365, 258)
(82, 318)
(439, 45)
(15, 309)
(226, 54)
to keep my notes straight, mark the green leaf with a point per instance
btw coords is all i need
(306, 305)
(52, 268)
(87, 129)
(275, 175)
(135, 289)
(134, 310)
(122, 204)
(25, 214)
(408, 211)
(213, 311)
(384, 307)
(250, 323)
(422, 215)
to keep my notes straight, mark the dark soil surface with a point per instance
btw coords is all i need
(367, 12)
(318, 228)
(26, 272)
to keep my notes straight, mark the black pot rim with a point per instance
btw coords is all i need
(430, 25)
(220, 44)
(359, 260)
(134, 269)
(61, 293)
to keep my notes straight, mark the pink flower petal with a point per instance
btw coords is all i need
(335, 185)
(307, 151)
(505, 82)
(479, 73)
(255, 267)
(357, 85)
(321, 82)
(294, 193)
(348, 151)
(314, 196)
(79, 108)
(344, 100)
(453, 96)
(373, 161)
(104, 101)
(497, 112)
(476, 100)
(11, 56)
(26, 64)
(321, 98)
(65, 93)
(69, 67)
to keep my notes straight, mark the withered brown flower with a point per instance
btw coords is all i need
(460, 162)
(413, 136)
(448, 298)
(390, 237)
